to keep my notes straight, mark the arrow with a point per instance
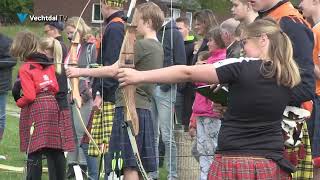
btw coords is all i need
(22, 17)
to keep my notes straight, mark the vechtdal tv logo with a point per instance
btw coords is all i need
(22, 17)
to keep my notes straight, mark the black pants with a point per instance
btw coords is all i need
(55, 160)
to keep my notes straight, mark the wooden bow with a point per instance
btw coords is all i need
(126, 60)
(74, 82)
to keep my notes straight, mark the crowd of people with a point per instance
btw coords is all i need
(267, 56)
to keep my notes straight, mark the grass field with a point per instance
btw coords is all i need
(13, 29)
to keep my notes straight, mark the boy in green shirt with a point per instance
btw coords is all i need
(148, 55)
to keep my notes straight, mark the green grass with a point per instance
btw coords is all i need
(12, 30)
(163, 174)
(9, 146)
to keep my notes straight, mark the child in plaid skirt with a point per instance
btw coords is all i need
(42, 130)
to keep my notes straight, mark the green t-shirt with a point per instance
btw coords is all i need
(148, 56)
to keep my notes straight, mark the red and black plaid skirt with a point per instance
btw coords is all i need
(245, 168)
(67, 134)
(48, 127)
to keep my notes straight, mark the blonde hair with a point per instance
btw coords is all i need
(82, 27)
(282, 65)
(53, 46)
(149, 11)
(24, 44)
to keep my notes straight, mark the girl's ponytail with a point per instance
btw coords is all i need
(281, 64)
(54, 46)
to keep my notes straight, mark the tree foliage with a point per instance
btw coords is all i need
(10, 8)
(220, 7)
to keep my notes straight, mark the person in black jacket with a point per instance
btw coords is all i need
(109, 53)
(183, 25)
(6, 64)
(103, 89)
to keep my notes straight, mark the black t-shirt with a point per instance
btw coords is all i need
(252, 123)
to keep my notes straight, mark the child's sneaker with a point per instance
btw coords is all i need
(2, 157)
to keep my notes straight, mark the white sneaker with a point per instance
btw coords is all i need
(2, 157)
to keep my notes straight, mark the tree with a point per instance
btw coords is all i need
(189, 5)
(10, 8)
(219, 7)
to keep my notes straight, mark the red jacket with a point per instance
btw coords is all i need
(36, 78)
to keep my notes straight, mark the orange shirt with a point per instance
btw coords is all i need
(287, 10)
(316, 52)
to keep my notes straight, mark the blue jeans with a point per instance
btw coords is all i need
(179, 109)
(162, 115)
(3, 102)
(92, 165)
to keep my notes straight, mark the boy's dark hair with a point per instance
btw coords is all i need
(184, 20)
(151, 12)
(215, 34)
